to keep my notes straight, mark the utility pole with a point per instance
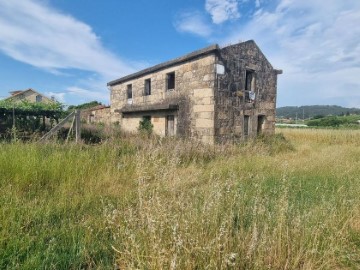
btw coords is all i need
(303, 115)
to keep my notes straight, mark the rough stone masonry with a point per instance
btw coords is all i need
(215, 95)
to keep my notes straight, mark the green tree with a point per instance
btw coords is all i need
(87, 105)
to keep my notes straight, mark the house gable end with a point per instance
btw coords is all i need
(27, 92)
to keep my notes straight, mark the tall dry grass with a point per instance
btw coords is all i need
(170, 204)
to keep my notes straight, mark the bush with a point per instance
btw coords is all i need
(145, 126)
(329, 121)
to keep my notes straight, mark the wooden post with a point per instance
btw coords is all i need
(13, 116)
(57, 127)
(43, 123)
(77, 126)
(76, 119)
(70, 129)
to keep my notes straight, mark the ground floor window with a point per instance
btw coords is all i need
(246, 125)
(260, 123)
(91, 118)
(147, 118)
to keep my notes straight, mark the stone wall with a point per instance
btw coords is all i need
(97, 116)
(206, 106)
(230, 96)
(191, 102)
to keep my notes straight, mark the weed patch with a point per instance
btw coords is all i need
(285, 202)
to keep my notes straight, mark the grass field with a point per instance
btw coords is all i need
(167, 204)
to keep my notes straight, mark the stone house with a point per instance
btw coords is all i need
(30, 95)
(99, 114)
(215, 94)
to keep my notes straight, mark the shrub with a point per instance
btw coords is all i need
(329, 121)
(145, 126)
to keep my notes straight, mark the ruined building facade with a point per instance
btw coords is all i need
(216, 95)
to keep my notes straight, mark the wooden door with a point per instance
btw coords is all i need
(170, 125)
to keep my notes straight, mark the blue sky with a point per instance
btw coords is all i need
(72, 48)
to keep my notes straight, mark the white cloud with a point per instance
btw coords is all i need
(316, 43)
(59, 96)
(88, 93)
(222, 10)
(192, 22)
(39, 35)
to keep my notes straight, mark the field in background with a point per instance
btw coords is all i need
(168, 204)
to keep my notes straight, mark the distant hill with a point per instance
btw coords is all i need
(313, 110)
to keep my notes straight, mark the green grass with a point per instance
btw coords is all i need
(168, 204)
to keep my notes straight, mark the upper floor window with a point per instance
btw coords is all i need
(170, 81)
(147, 90)
(250, 80)
(38, 98)
(249, 86)
(129, 91)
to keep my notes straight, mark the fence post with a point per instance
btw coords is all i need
(13, 116)
(77, 126)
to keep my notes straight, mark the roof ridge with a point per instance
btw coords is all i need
(166, 64)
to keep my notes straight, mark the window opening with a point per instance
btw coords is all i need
(249, 86)
(246, 125)
(38, 98)
(147, 87)
(129, 91)
(260, 123)
(170, 81)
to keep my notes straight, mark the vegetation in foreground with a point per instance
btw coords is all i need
(158, 204)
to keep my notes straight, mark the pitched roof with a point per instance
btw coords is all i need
(19, 92)
(167, 64)
(195, 54)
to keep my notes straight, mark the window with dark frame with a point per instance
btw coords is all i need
(129, 91)
(147, 90)
(170, 81)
